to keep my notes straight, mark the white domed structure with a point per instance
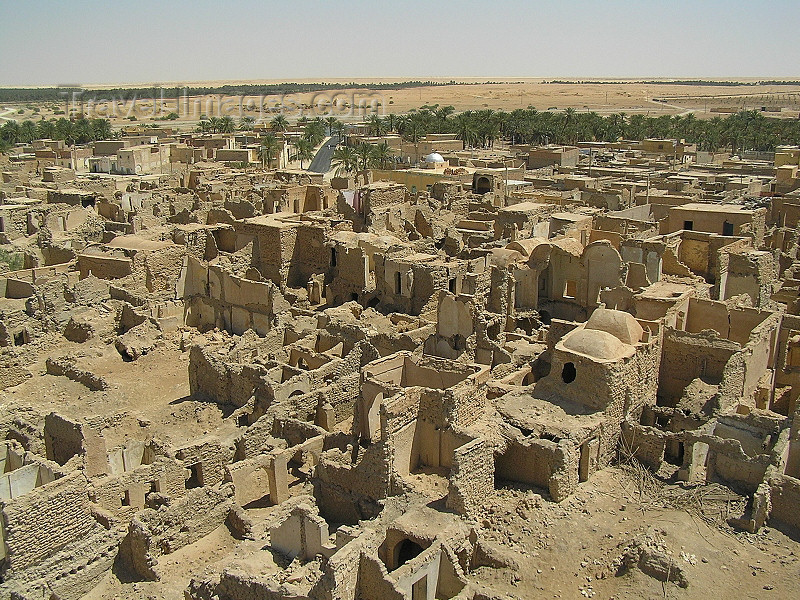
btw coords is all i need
(434, 157)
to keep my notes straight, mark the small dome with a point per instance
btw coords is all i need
(618, 323)
(502, 257)
(434, 157)
(596, 344)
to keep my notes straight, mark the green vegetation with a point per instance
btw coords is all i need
(349, 159)
(14, 260)
(314, 131)
(247, 123)
(79, 131)
(268, 150)
(63, 94)
(224, 124)
(279, 123)
(693, 82)
(746, 130)
(345, 160)
(304, 150)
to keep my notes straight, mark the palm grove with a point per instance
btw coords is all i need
(746, 130)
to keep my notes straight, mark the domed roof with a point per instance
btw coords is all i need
(502, 257)
(618, 323)
(434, 157)
(596, 344)
(526, 246)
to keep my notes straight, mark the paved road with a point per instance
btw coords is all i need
(8, 111)
(684, 111)
(322, 161)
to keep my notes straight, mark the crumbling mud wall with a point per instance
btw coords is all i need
(471, 477)
(154, 533)
(784, 500)
(215, 298)
(543, 463)
(226, 383)
(45, 521)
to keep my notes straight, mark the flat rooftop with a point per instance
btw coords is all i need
(719, 208)
(132, 242)
(563, 418)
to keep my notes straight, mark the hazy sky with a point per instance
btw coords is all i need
(84, 41)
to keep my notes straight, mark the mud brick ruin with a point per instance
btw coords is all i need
(341, 376)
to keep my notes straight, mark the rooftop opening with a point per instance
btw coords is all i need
(406, 551)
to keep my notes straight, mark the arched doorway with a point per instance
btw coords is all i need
(483, 185)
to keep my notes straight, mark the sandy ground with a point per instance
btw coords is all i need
(603, 98)
(569, 548)
(153, 391)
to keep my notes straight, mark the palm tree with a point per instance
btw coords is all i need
(268, 150)
(712, 138)
(45, 129)
(490, 125)
(340, 127)
(382, 155)
(314, 131)
(279, 123)
(375, 125)
(442, 114)
(247, 123)
(465, 128)
(83, 131)
(345, 159)
(636, 127)
(364, 152)
(27, 131)
(617, 128)
(570, 126)
(65, 131)
(304, 150)
(741, 131)
(227, 124)
(101, 128)
(9, 132)
(412, 130)
(333, 124)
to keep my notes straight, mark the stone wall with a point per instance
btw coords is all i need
(471, 477)
(348, 490)
(154, 533)
(785, 498)
(45, 520)
(542, 463)
(215, 298)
